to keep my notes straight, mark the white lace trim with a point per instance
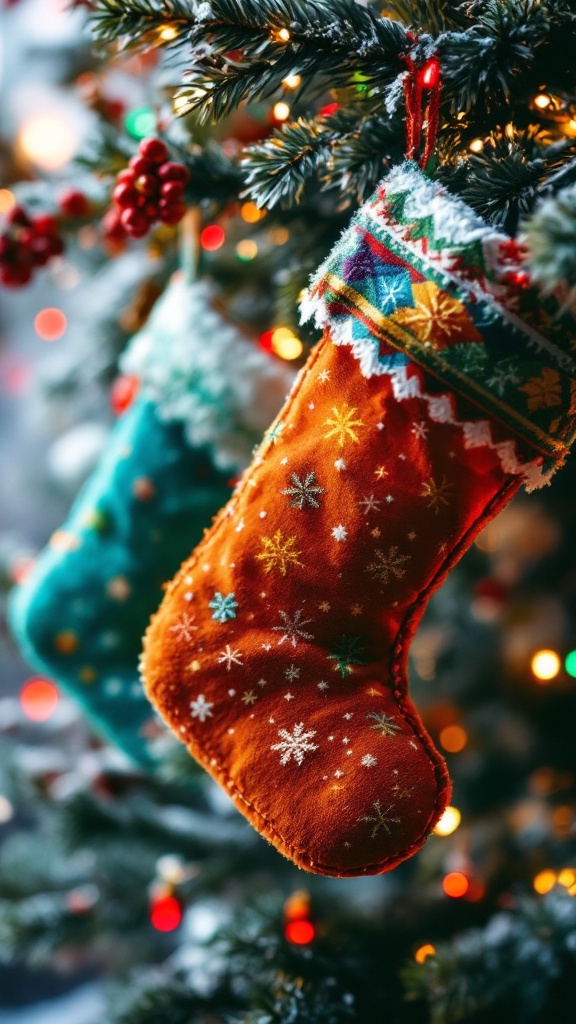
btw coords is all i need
(200, 369)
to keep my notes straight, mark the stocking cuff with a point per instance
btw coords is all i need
(419, 282)
(200, 370)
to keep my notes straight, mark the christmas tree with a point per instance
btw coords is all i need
(248, 134)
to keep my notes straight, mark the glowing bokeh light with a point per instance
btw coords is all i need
(7, 200)
(246, 250)
(544, 881)
(48, 141)
(39, 699)
(453, 738)
(449, 822)
(545, 665)
(455, 884)
(212, 237)
(299, 932)
(281, 111)
(424, 952)
(140, 122)
(50, 324)
(165, 914)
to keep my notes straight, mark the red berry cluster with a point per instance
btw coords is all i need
(150, 189)
(27, 243)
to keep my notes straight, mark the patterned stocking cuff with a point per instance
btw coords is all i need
(419, 282)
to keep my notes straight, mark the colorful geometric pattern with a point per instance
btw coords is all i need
(419, 277)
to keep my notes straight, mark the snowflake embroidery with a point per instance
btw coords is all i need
(340, 465)
(369, 760)
(184, 628)
(295, 744)
(348, 653)
(438, 494)
(279, 553)
(505, 374)
(385, 566)
(248, 697)
(380, 473)
(370, 504)
(201, 708)
(420, 429)
(380, 819)
(224, 607)
(303, 492)
(340, 532)
(324, 377)
(385, 725)
(273, 435)
(291, 673)
(229, 657)
(343, 425)
(291, 628)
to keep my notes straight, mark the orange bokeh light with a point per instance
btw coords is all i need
(212, 237)
(455, 884)
(166, 914)
(299, 932)
(39, 698)
(50, 324)
(453, 738)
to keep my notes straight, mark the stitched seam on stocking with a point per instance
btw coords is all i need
(398, 694)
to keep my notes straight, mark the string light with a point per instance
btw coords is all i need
(250, 213)
(453, 738)
(543, 100)
(298, 927)
(291, 81)
(165, 913)
(48, 141)
(430, 73)
(476, 146)
(544, 881)
(39, 699)
(168, 32)
(6, 810)
(284, 35)
(545, 665)
(329, 109)
(140, 122)
(424, 952)
(281, 111)
(285, 343)
(7, 200)
(449, 822)
(247, 249)
(300, 932)
(570, 664)
(50, 324)
(455, 884)
(212, 237)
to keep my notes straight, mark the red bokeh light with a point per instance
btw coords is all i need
(50, 324)
(166, 914)
(212, 237)
(455, 884)
(39, 698)
(266, 340)
(300, 932)
(123, 392)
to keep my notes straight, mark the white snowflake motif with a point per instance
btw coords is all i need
(295, 744)
(340, 465)
(303, 492)
(370, 504)
(291, 628)
(504, 375)
(184, 628)
(201, 708)
(292, 673)
(369, 760)
(380, 819)
(385, 566)
(229, 657)
(224, 607)
(324, 377)
(340, 532)
(420, 429)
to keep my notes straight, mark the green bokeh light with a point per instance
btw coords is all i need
(570, 664)
(140, 122)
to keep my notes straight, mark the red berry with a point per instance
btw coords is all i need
(154, 150)
(172, 191)
(135, 222)
(74, 203)
(172, 214)
(41, 251)
(55, 245)
(174, 172)
(141, 166)
(127, 176)
(148, 184)
(17, 217)
(45, 225)
(26, 237)
(125, 196)
(113, 110)
(15, 277)
(151, 211)
(6, 248)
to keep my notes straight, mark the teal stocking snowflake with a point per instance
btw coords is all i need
(224, 607)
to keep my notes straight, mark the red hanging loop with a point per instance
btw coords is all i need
(420, 112)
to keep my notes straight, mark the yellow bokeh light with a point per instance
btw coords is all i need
(7, 200)
(279, 236)
(544, 881)
(284, 35)
(542, 100)
(567, 878)
(476, 146)
(285, 343)
(250, 213)
(448, 822)
(291, 81)
(545, 665)
(453, 738)
(247, 249)
(48, 141)
(281, 111)
(168, 33)
(424, 952)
